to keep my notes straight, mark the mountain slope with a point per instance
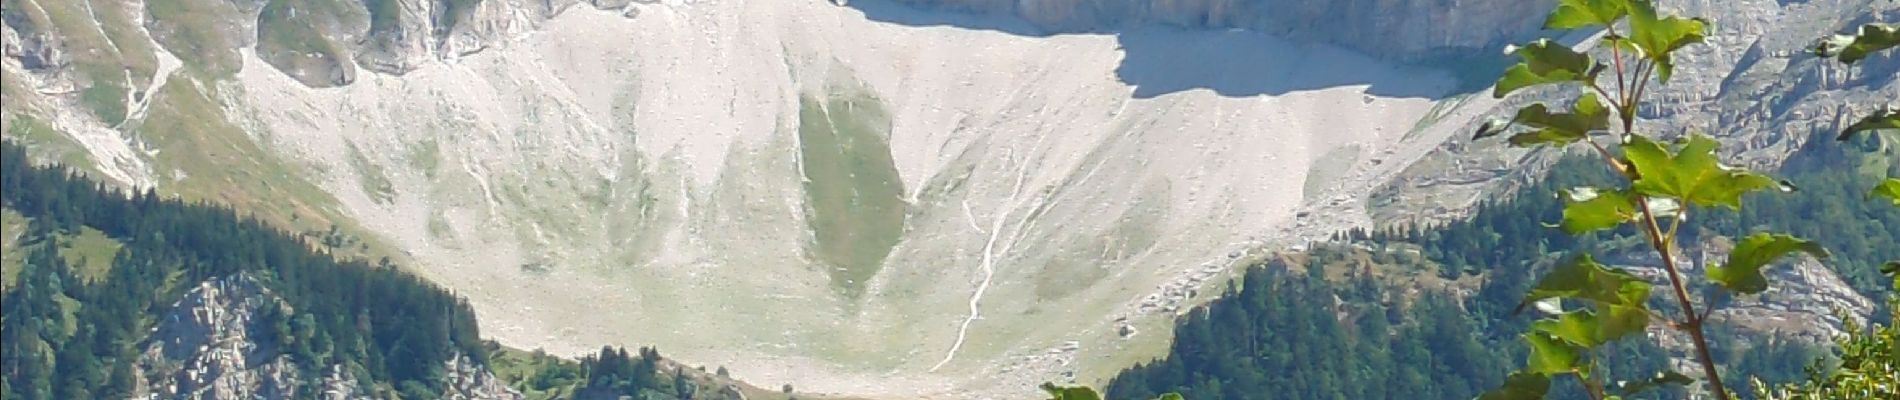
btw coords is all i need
(871, 199)
(703, 171)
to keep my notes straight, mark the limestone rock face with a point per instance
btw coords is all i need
(1408, 30)
(1801, 302)
(1752, 85)
(206, 348)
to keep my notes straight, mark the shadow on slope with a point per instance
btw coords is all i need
(1234, 63)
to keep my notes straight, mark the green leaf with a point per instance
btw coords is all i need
(1550, 356)
(1883, 119)
(1545, 62)
(1665, 378)
(1583, 278)
(1573, 14)
(1520, 386)
(1690, 174)
(1588, 329)
(1171, 396)
(1069, 393)
(1656, 36)
(1889, 189)
(1851, 48)
(1586, 116)
(1577, 327)
(1590, 209)
(1742, 272)
(1619, 321)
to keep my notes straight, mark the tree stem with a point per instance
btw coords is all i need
(1593, 387)
(1692, 322)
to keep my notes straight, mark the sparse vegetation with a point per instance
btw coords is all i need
(302, 46)
(851, 185)
(43, 140)
(426, 157)
(107, 101)
(384, 15)
(206, 158)
(370, 177)
(194, 30)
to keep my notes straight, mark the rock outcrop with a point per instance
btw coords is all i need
(204, 347)
(1752, 85)
(207, 347)
(1806, 300)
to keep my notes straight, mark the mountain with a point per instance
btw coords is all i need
(935, 198)
(193, 301)
(1402, 30)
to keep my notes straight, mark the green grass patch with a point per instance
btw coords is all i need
(195, 30)
(426, 157)
(290, 37)
(106, 99)
(371, 177)
(93, 46)
(135, 50)
(523, 371)
(208, 159)
(851, 186)
(90, 253)
(540, 376)
(1080, 267)
(47, 143)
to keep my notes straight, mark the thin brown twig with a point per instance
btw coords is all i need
(1607, 157)
(1616, 55)
(1664, 246)
(1693, 324)
(1643, 72)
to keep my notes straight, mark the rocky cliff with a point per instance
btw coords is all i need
(208, 346)
(1806, 300)
(1753, 86)
(1408, 30)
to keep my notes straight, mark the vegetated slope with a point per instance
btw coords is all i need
(225, 307)
(202, 302)
(614, 372)
(1332, 323)
(1247, 345)
(1340, 322)
(1436, 308)
(1753, 85)
(704, 176)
